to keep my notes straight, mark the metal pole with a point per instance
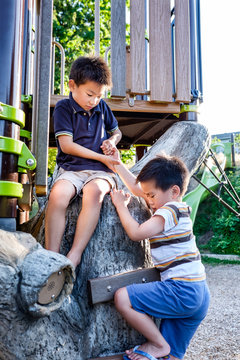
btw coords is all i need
(11, 45)
(97, 28)
(42, 95)
(233, 149)
(62, 52)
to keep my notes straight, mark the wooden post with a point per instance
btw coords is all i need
(160, 51)
(182, 50)
(137, 46)
(118, 48)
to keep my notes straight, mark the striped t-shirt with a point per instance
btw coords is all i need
(174, 251)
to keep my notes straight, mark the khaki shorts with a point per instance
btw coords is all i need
(80, 178)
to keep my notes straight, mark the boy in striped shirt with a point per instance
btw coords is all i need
(181, 299)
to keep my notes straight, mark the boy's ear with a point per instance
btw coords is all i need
(71, 84)
(176, 191)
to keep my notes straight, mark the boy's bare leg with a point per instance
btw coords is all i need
(156, 345)
(93, 195)
(60, 196)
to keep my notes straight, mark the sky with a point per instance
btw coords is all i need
(220, 65)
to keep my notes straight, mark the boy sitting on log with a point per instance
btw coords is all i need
(86, 132)
(181, 299)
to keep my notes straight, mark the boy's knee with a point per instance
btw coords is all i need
(121, 298)
(96, 190)
(61, 197)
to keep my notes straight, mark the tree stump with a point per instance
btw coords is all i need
(79, 330)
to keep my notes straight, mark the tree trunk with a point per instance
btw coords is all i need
(78, 330)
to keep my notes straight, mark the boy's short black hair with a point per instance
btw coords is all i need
(93, 68)
(166, 171)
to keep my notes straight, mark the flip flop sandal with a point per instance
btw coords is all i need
(143, 353)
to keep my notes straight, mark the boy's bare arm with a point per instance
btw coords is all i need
(135, 231)
(69, 147)
(116, 136)
(129, 180)
(109, 145)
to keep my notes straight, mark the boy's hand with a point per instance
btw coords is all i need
(116, 155)
(110, 162)
(108, 146)
(119, 197)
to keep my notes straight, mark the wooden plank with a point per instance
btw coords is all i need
(139, 105)
(118, 48)
(160, 50)
(103, 289)
(112, 357)
(182, 50)
(137, 46)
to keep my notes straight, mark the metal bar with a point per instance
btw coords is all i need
(97, 28)
(233, 149)
(42, 95)
(226, 179)
(221, 183)
(146, 51)
(199, 47)
(53, 67)
(224, 174)
(106, 60)
(11, 45)
(217, 197)
(173, 56)
(195, 51)
(62, 52)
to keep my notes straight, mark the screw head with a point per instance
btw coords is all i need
(30, 162)
(109, 288)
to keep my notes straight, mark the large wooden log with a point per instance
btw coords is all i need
(78, 330)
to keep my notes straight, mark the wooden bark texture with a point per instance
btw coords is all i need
(78, 330)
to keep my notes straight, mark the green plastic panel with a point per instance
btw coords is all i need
(13, 114)
(26, 134)
(11, 189)
(10, 145)
(26, 159)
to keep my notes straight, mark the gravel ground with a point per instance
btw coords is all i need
(218, 336)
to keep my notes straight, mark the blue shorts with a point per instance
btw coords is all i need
(181, 305)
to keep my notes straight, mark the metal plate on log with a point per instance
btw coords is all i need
(52, 289)
(102, 289)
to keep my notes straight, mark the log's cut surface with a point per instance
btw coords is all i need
(79, 330)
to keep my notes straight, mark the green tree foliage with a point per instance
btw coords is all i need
(52, 153)
(224, 224)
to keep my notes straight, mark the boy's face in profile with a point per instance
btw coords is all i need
(87, 95)
(157, 197)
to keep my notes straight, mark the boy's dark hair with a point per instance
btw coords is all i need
(93, 68)
(166, 171)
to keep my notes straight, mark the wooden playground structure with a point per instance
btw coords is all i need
(157, 81)
(154, 77)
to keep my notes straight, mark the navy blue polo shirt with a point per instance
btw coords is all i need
(88, 131)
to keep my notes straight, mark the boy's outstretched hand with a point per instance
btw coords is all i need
(107, 147)
(110, 162)
(119, 198)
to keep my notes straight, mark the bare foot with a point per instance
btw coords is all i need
(151, 349)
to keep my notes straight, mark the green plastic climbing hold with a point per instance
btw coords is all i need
(11, 189)
(13, 114)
